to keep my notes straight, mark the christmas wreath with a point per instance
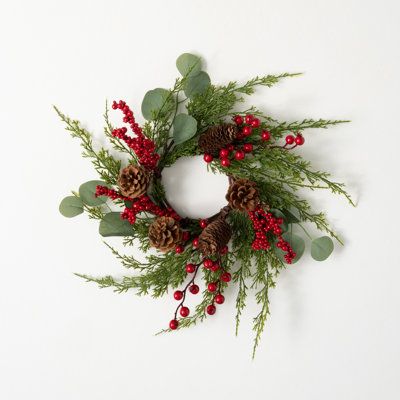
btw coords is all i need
(250, 240)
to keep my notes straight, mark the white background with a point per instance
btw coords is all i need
(334, 330)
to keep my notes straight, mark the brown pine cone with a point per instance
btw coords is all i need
(165, 233)
(133, 181)
(217, 137)
(214, 237)
(243, 195)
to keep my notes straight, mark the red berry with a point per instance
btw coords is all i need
(203, 223)
(190, 268)
(208, 263)
(247, 130)
(224, 250)
(178, 294)
(223, 153)
(194, 289)
(179, 249)
(248, 148)
(249, 118)
(195, 242)
(230, 147)
(240, 136)
(185, 236)
(211, 309)
(299, 140)
(173, 324)
(219, 298)
(239, 155)
(212, 287)
(208, 158)
(215, 267)
(184, 311)
(289, 139)
(238, 120)
(226, 277)
(225, 162)
(265, 136)
(255, 123)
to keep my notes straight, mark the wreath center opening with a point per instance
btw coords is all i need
(193, 191)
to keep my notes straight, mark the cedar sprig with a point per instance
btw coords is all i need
(107, 166)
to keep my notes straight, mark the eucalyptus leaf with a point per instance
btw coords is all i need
(185, 127)
(128, 203)
(87, 193)
(321, 248)
(290, 217)
(279, 214)
(156, 101)
(113, 225)
(71, 206)
(197, 84)
(297, 244)
(188, 64)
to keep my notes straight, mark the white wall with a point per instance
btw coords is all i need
(334, 330)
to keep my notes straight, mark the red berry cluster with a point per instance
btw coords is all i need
(180, 295)
(140, 204)
(143, 147)
(212, 287)
(111, 193)
(144, 203)
(263, 223)
(297, 140)
(248, 125)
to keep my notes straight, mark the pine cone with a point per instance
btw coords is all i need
(133, 181)
(217, 137)
(243, 195)
(214, 237)
(165, 233)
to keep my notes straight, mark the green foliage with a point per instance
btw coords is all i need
(87, 193)
(185, 128)
(112, 225)
(279, 175)
(156, 102)
(321, 248)
(107, 166)
(188, 64)
(71, 206)
(198, 84)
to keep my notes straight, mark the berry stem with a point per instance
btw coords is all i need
(186, 288)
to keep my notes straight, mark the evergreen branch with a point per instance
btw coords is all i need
(267, 80)
(107, 167)
(128, 262)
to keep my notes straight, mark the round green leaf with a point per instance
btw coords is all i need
(113, 225)
(156, 101)
(279, 214)
(71, 206)
(290, 217)
(297, 244)
(185, 127)
(321, 248)
(188, 64)
(197, 84)
(87, 193)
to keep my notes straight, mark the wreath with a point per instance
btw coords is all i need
(250, 240)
